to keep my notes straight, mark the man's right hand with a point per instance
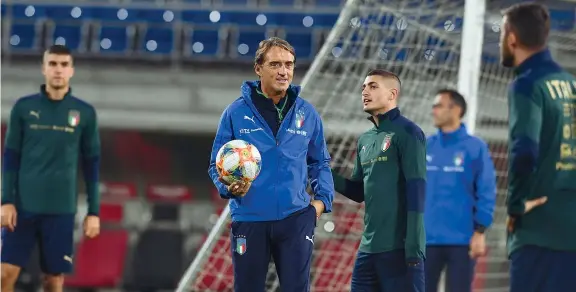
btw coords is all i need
(8, 217)
(237, 188)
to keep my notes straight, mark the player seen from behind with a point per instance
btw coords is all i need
(460, 196)
(390, 177)
(542, 156)
(47, 134)
(275, 216)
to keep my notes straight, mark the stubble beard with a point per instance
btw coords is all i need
(506, 58)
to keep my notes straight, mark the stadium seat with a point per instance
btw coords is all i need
(72, 36)
(109, 14)
(100, 261)
(114, 39)
(328, 3)
(303, 43)
(562, 20)
(65, 12)
(248, 42)
(158, 40)
(235, 2)
(244, 18)
(204, 42)
(159, 261)
(201, 17)
(26, 11)
(111, 213)
(24, 37)
(153, 15)
(282, 2)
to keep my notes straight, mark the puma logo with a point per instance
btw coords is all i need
(310, 239)
(36, 114)
(250, 119)
(68, 258)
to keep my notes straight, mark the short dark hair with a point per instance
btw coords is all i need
(59, 50)
(457, 98)
(267, 44)
(385, 74)
(530, 22)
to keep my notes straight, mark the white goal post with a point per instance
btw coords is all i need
(430, 45)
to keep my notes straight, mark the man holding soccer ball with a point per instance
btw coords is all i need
(273, 215)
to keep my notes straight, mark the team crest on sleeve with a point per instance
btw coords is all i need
(241, 245)
(73, 118)
(299, 119)
(387, 141)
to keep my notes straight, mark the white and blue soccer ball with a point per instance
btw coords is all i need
(238, 160)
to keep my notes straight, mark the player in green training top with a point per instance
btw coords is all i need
(542, 156)
(390, 177)
(47, 134)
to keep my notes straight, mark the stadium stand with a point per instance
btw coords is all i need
(193, 30)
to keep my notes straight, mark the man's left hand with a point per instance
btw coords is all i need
(319, 206)
(91, 226)
(477, 245)
(528, 206)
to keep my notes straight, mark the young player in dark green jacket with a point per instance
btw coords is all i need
(542, 156)
(47, 134)
(390, 177)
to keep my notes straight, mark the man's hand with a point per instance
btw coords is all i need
(319, 206)
(528, 206)
(91, 226)
(237, 188)
(9, 215)
(477, 245)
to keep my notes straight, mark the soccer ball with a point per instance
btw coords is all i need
(238, 160)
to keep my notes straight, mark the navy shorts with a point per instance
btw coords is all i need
(386, 272)
(54, 235)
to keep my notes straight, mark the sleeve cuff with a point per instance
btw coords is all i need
(516, 210)
(327, 205)
(479, 228)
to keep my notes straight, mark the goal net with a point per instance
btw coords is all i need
(421, 42)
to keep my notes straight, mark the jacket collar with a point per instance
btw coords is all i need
(534, 61)
(253, 87)
(389, 115)
(459, 134)
(44, 93)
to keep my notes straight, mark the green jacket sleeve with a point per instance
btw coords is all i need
(413, 165)
(352, 188)
(11, 155)
(525, 115)
(90, 148)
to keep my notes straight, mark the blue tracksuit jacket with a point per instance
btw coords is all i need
(460, 187)
(297, 153)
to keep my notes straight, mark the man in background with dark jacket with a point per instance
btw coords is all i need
(460, 196)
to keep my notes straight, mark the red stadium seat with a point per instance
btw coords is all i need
(332, 270)
(111, 213)
(100, 261)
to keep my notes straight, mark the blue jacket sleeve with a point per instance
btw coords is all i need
(319, 171)
(485, 186)
(224, 134)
